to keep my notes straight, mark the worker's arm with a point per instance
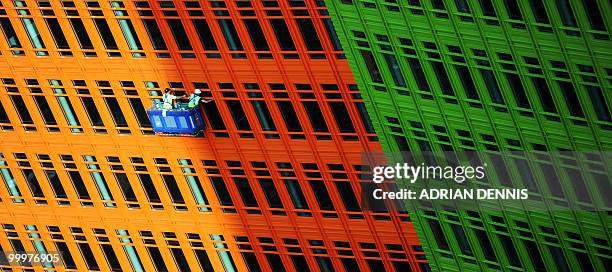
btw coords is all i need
(206, 100)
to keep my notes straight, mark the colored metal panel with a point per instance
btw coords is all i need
(490, 75)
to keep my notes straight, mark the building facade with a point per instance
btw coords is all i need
(494, 76)
(271, 186)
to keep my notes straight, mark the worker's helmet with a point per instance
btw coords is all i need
(167, 90)
(197, 91)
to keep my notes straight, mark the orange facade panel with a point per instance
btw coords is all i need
(274, 181)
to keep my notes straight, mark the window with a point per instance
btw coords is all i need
(573, 103)
(206, 36)
(32, 30)
(126, 187)
(92, 111)
(296, 194)
(534, 254)
(442, 76)
(173, 189)
(65, 105)
(88, 256)
(204, 260)
(56, 184)
(272, 196)
(157, 259)
(240, 119)
(322, 195)
(514, 11)
(67, 259)
(155, 35)
(263, 115)
(180, 260)
(487, 8)
(599, 103)
(419, 74)
(222, 193)
(149, 188)
(331, 32)
(212, 112)
(79, 184)
(248, 197)
(462, 6)
(371, 65)
(544, 93)
(342, 117)
(45, 110)
(565, 10)
(316, 117)
(436, 229)
(492, 86)
(510, 250)
(81, 33)
(289, 116)
(58, 33)
(396, 72)
(3, 116)
(559, 259)
(140, 112)
(180, 36)
(592, 9)
(309, 34)
(467, 82)
(9, 33)
(115, 110)
(539, 11)
(348, 196)
(365, 117)
(462, 240)
(517, 89)
(106, 34)
(22, 109)
(257, 36)
(485, 245)
(130, 34)
(282, 34)
(111, 257)
(230, 34)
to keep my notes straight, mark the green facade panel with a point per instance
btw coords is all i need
(491, 75)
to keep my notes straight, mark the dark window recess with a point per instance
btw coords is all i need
(462, 240)
(584, 261)
(492, 86)
(242, 123)
(396, 72)
(325, 264)
(534, 255)
(111, 257)
(436, 229)
(67, 259)
(316, 117)
(543, 92)
(248, 197)
(22, 110)
(81, 33)
(214, 117)
(571, 98)
(57, 33)
(510, 249)
(9, 33)
(442, 76)
(487, 8)
(115, 110)
(297, 195)
(263, 115)
(92, 111)
(180, 260)
(565, 10)
(79, 185)
(350, 264)
(230, 34)
(289, 116)
(376, 265)
(559, 259)
(419, 74)
(155, 34)
(276, 264)
(462, 6)
(282, 34)
(147, 184)
(599, 103)
(126, 187)
(140, 112)
(467, 82)
(56, 184)
(592, 9)
(365, 117)
(251, 261)
(106, 34)
(267, 186)
(222, 193)
(88, 256)
(130, 34)
(343, 119)
(485, 245)
(204, 260)
(300, 264)
(322, 195)
(552, 179)
(514, 11)
(45, 110)
(348, 196)
(438, 4)
(517, 89)
(371, 65)
(180, 36)
(577, 181)
(539, 11)
(206, 36)
(157, 259)
(3, 116)
(173, 189)
(331, 32)
(257, 36)
(309, 34)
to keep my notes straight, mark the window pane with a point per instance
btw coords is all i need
(331, 32)
(296, 194)
(565, 10)
(130, 34)
(348, 196)
(263, 115)
(115, 110)
(242, 123)
(180, 36)
(442, 76)
(492, 86)
(155, 34)
(9, 33)
(79, 185)
(92, 111)
(322, 195)
(140, 112)
(212, 112)
(57, 33)
(342, 117)
(222, 192)
(149, 188)
(419, 74)
(246, 192)
(371, 65)
(230, 34)
(56, 184)
(594, 14)
(396, 72)
(22, 109)
(316, 117)
(573, 103)
(517, 89)
(206, 36)
(599, 103)
(467, 82)
(309, 34)
(267, 186)
(106, 34)
(81, 33)
(544, 93)
(289, 116)
(257, 36)
(173, 189)
(126, 187)
(45, 110)
(514, 11)
(282, 34)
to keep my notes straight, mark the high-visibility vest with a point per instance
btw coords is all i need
(193, 101)
(167, 100)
